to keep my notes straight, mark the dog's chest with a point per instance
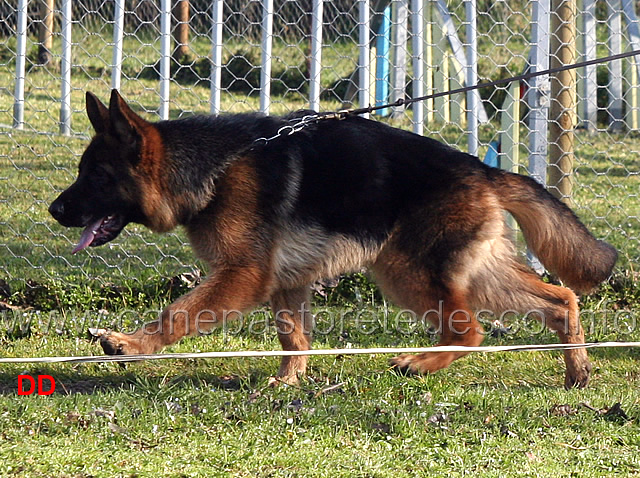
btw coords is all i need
(305, 254)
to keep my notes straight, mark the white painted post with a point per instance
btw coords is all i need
(65, 70)
(538, 100)
(316, 54)
(616, 113)
(471, 75)
(538, 95)
(364, 57)
(165, 57)
(417, 27)
(399, 65)
(267, 48)
(509, 155)
(216, 56)
(588, 104)
(21, 56)
(118, 39)
(633, 27)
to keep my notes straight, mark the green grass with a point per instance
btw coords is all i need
(501, 414)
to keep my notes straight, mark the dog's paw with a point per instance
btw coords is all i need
(278, 380)
(402, 365)
(115, 343)
(578, 377)
(94, 334)
(408, 364)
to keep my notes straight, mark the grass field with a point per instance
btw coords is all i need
(500, 414)
(488, 415)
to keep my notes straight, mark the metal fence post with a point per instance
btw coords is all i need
(21, 55)
(417, 28)
(118, 40)
(471, 75)
(400, 34)
(165, 57)
(267, 49)
(588, 104)
(65, 70)
(316, 55)
(216, 55)
(538, 100)
(364, 56)
(616, 114)
(633, 89)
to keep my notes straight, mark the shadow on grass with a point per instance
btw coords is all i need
(78, 383)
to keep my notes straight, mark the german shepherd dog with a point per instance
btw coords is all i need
(270, 218)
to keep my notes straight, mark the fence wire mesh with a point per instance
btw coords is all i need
(37, 161)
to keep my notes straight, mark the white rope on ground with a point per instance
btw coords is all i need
(293, 353)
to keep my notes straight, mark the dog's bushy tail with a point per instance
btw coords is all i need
(554, 233)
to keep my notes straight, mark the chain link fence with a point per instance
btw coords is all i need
(172, 59)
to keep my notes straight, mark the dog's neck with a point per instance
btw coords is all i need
(199, 150)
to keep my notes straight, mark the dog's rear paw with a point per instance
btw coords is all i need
(578, 377)
(278, 380)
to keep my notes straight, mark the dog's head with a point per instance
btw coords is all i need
(108, 192)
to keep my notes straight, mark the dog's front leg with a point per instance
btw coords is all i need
(223, 295)
(294, 324)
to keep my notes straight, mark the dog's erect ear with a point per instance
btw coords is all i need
(97, 112)
(125, 124)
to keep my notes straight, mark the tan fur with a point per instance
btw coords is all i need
(573, 254)
(158, 206)
(456, 323)
(306, 254)
(239, 277)
(291, 310)
(225, 233)
(491, 248)
(485, 276)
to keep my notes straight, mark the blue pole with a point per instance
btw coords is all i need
(383, 47)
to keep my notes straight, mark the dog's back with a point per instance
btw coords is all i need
(362, 182)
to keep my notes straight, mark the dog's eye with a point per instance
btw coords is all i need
(100, 178)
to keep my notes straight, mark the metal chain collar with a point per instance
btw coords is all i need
(298, 124)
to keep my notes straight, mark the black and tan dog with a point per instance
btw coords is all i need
(270, 219)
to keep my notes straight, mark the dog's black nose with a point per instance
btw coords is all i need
(56, 209)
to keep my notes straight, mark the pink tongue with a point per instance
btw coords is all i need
(87, 236)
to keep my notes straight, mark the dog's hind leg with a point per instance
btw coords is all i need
(294, 323)
(446, 308)
(562, 316)
(521, 290)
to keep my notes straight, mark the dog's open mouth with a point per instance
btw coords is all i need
(100, 232)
